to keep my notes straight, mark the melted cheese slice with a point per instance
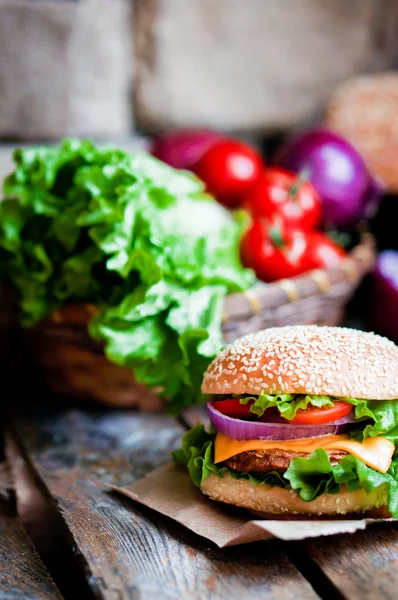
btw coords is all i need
(375, 452)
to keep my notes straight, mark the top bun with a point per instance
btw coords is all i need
(307, 359)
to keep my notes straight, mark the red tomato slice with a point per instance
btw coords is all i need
(318, 416)
(233, 407)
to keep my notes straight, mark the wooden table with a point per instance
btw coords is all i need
(96, 544)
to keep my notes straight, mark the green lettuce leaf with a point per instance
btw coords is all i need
(137, 238)
(309, 477)
(287, 404)
(196, 453)
(383, 413)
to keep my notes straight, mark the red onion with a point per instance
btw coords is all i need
(182, 149)
(273, 429)
(337, 171)
(384, 302)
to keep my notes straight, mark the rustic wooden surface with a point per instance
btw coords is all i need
(124, 550)
(22, 573)
(127, 551)
(363, 565)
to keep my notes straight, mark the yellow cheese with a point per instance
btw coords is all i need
(375, 452)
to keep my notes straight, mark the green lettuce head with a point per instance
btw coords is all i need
(137, 238)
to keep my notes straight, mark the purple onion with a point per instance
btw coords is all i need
(182, 149)
(238, 429)
(384, 305)
(337, 171)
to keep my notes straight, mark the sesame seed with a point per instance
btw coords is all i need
(308, 359)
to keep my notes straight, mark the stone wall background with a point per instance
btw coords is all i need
(105, 68)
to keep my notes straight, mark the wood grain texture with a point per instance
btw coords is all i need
(128, 551)
(22, 573)
(363, 565)
(44, 526)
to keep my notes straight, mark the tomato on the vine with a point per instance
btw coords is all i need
(278, 191)
(229, 168)
(324, 252)
(314, 415)
(273, 251)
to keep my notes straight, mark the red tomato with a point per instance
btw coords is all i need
(318, 416)
(323, 252)
(282, 192)
(273, 251)
(233, 407)
(229, 168)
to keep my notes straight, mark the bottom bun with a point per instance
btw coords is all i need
(268, 501)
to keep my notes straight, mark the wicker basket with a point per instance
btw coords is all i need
(73, 364)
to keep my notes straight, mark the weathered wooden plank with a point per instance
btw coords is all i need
(45, 526)
(128, 551)
(363, 565)
(22, 573)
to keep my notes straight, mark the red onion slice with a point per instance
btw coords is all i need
(273, 429)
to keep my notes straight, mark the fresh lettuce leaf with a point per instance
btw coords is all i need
(383, 413)
(137, 238)
(196, 453)
(309, 477)
(287, 404)
(312, 476)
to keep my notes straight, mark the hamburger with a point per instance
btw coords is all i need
(304, 423)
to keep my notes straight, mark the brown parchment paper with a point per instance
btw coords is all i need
(169, 491)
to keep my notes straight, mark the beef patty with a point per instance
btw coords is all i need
(260, 461)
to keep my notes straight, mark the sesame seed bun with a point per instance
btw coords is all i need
(307, 359)
(271, 501)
